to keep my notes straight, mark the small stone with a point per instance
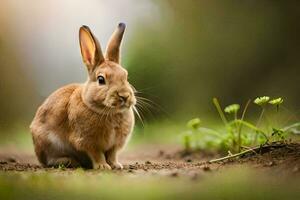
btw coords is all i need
(206, 168)
(148, 162)
(131, 167)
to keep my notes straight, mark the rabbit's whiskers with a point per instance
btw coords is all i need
(143, 106)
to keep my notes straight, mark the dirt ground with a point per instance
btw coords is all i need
(156, 160)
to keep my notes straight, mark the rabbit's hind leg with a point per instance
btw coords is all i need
(52, 157)
(52, 152)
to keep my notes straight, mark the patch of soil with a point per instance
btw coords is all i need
(284, 160)
(151, 161)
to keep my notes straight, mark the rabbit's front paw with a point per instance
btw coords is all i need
(116, 165)
(102, 166)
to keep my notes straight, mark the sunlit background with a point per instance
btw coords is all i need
(180, 54)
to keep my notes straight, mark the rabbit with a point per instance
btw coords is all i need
(86, 125)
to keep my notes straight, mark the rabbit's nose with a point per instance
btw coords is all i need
(123, 96)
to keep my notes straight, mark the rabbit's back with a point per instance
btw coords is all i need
(50, 127)
(53, 113)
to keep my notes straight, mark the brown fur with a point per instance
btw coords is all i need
(87, 124)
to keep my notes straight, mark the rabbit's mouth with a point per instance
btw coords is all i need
(120, 103)
(120, 106)
(112, 106)
(123, 108)
(117, 109)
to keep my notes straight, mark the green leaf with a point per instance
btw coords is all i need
(194, 123)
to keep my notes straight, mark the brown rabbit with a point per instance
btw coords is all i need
(88, 124)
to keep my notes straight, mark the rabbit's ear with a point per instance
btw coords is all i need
(90, 48)
(113, 46)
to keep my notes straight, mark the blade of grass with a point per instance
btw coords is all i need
(220, 111)
(291, 126)
(251, 126)
(240, 126)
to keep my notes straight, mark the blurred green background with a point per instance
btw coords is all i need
(179, 54)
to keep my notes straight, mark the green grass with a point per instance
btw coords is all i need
(238, 132)
(225, 184)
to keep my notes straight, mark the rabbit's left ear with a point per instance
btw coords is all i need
(113, 46)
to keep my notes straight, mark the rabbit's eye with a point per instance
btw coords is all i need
(101, 80)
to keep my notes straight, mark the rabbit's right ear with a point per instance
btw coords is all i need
(90, 48)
